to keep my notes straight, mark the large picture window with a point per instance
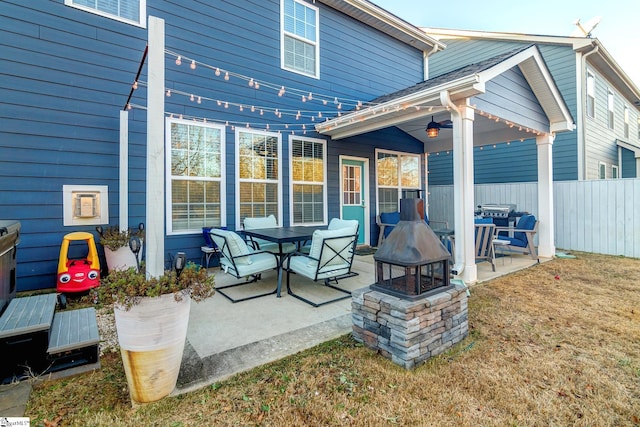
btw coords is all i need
(258, 171)
(300, 44)
(398, 176)
(195, 172)
(129, 11)
(308, 181)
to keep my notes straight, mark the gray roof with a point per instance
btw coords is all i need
(467, 70)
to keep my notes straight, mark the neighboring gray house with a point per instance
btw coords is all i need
(602, 99)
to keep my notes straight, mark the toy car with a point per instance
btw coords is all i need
(78, 275)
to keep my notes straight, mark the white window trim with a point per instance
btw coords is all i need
(143, 13)
(602, 166)
(292, 182)
(222, 179)
(399, 187)
(616, 175)
(237, 166)
(316, 43)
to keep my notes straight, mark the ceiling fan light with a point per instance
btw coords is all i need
(432, 129)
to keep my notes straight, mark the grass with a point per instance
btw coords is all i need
(554, 345)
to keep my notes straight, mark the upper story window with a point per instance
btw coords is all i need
(591, 95)
(638, 128)
(610, 113)
(397, 175)
(614, 172)
(308, 180)
(195, 176)
(626, 122)
(129, 11)
(602, 170)
(300, 45)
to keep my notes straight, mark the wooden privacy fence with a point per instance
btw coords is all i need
(599, 216)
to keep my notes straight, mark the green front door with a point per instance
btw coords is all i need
(353, 186)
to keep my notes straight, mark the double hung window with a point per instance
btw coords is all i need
(195, 176)
(398, 176)
(308, 181)
(258, 172)
(300, 46)
(129, 11)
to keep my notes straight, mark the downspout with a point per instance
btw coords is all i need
(425, 61)
(583, 118)
(458, 267)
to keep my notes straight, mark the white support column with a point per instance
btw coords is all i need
(124, 171)
(467, 190)
(546, 228)
(154, 232)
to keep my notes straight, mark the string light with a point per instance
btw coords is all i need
(193, 64)
(135, 85)
(179, 60)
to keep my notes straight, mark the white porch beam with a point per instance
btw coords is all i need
(546, 243)
(154, 233)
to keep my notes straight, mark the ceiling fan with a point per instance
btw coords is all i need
(433, 128)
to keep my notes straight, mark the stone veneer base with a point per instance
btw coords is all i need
(410, 332)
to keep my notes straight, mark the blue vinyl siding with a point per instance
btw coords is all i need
(65, 74)
(560, 60)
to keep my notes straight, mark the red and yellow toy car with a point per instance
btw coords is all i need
(78, 275)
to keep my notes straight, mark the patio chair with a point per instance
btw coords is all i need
(521, 237)
(484, 235)
(209, 250)
(329, 259)
(386, 221)
(253, 223)
(241, 261)
(335, 224)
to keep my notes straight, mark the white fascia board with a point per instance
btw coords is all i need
(446, 33)
(386, 22)
(534, 70)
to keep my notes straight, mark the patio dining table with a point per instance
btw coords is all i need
(280, 235)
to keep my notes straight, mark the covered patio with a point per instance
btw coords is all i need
(224, 339)
(509, 97)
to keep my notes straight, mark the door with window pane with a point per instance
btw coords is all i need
(353, 185)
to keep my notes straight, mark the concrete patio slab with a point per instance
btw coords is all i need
(226, 338)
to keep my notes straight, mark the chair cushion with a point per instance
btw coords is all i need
(258, 263)
(337, 223)
(260, 222)
(513, 241)
(308, 267)
(526, 222)
(235, 245)
(389, 218)
(318, 240)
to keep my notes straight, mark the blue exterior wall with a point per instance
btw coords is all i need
(65, 74)
(493, 165)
